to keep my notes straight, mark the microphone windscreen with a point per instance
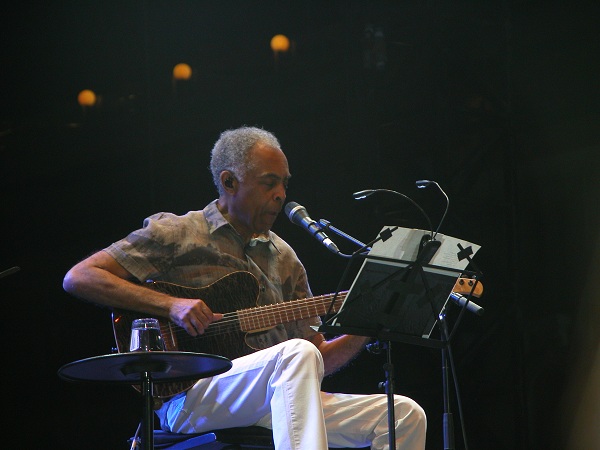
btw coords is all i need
(296, 213)
(289, 207)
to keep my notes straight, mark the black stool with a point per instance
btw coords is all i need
(239, 438)
(248, 438)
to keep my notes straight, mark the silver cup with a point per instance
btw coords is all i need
(146, 336)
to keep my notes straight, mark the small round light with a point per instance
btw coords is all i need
(280, 43)
(86, 98)
(182, 71)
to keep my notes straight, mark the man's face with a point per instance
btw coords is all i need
(260, 196)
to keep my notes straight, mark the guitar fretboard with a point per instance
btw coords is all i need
(268, 316)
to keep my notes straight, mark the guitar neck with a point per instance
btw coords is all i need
(268, 316)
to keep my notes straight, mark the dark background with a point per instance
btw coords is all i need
(497, 101)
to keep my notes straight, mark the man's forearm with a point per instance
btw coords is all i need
(341, 350)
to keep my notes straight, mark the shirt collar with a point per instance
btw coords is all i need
(214, 217)
(216, 220)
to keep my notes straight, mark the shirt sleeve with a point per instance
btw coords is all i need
(148, 250)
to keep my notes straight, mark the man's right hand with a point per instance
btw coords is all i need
(193, 315)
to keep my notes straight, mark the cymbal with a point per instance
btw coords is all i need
(130, 368)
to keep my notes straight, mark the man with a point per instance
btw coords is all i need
(277, 386)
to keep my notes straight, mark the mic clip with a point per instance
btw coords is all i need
(376, 347)
(427, 248)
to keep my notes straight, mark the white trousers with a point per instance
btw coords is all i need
(279, 388)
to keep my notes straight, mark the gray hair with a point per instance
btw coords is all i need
(230, 152)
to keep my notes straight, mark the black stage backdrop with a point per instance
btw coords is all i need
(497, 102)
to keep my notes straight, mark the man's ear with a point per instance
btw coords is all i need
(228, 180)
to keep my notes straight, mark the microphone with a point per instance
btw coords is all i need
(299, 216)
(460, 300)
(367, 192)
(422, 184)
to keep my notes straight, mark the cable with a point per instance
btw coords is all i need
(136, 440)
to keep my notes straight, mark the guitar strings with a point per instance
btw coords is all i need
(259, 316)
(232, 319)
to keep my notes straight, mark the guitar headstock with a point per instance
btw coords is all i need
(465, 285)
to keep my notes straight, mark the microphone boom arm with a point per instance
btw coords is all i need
(327, 225)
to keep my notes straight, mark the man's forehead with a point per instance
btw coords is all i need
(270, 162)
(275, 176)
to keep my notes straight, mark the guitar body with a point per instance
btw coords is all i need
(233, 292)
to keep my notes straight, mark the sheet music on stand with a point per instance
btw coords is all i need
(393, 296)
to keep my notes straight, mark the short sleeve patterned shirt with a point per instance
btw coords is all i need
(200, 247)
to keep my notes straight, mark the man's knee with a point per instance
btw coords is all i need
(305, 352)
(302, 348)
(410, 411)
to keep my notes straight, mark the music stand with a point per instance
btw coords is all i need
(399, 295)
(145, 368)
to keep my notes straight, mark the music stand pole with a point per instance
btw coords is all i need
(389, 390)
(447, 420)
